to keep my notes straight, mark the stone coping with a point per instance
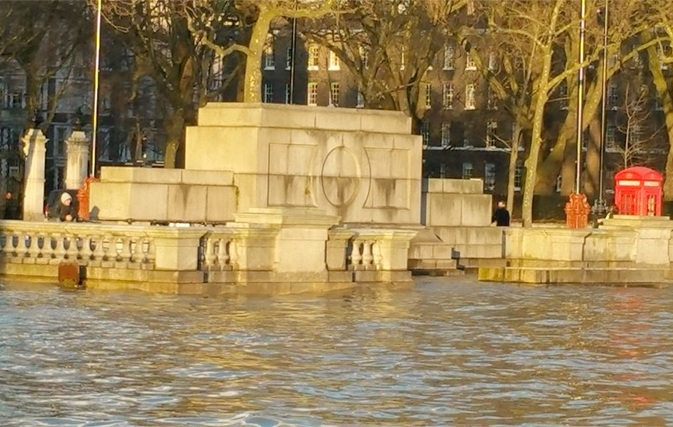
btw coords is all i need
(263, 115)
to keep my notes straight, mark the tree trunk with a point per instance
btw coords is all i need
(535, 143)
(253, 61)
(174, 133)
(513, 157)
(661, 85)
(593, 160)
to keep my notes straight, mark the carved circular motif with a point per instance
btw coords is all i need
(340, 176)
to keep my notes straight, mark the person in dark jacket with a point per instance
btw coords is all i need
(501, 215)
(66, 209)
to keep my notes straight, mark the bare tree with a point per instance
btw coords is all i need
(640, 147)
(205, 22)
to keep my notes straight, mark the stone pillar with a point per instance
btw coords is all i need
(336, 247)
(301, 234)
(176, 249)
(34, 148)
(394, 247)
(78, 160)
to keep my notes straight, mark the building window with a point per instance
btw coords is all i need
(559, 183)
(610, 136)
(447, 96)
(360, 100)
(334, 63)
(312, 93)
(518, 176)
(449, 57)
(492, 60)
(288, 58)
(491, 133)
(446, 134)
(269, 60)
(334, 94)
(428, 95)
(470, 102)
(425, 132)
(489, 176)
(491, 100)
(268, 92)
(470, 65)
(467, 170)
(442, 170)
(312, 57)
(612, 96)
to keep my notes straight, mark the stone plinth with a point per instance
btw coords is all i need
(77, 146)
(34, 143)
(171, 195)
(176, 248)
(300, 237)
(362, 165)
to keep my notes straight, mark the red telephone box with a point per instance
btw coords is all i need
(638, 191)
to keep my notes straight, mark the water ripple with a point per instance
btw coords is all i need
(449, 352)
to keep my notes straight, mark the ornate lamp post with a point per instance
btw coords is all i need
(577, 209)
(600, 206)
(83, 193)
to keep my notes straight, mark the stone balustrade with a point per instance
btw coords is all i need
(244, 256)
(90, 245)
(218, 250)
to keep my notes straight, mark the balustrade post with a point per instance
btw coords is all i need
(356, 255)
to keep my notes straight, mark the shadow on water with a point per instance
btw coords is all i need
(448, 352)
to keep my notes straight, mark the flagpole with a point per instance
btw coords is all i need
(94, 113)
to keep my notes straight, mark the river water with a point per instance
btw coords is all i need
(451, 351)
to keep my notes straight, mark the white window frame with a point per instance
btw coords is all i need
(470, 96)
(610, 137)
(428, 95)
(613, 96)
(492, 60)
(288, 58)
(446, 134)
(269, 54)
(312, 94)
(425, 132)
(334, 61)
(470, 65)
(491, 132)
(518, 176)
(489, 176)
(334, 94)
(447, 96)
(468, 170)
(313, 58)
(268, 92)
(449, 57)
(360, 100)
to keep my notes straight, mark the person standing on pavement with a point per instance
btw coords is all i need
(501, 215)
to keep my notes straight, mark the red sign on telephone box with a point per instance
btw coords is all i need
(638, 191)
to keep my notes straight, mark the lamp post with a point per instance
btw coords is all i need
(94, 110)
(83, 193)
(577, 209)
(600, 206)
(580, 101)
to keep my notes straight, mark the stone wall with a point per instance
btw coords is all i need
(170, 195)
(362, 165)
(460, 215)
